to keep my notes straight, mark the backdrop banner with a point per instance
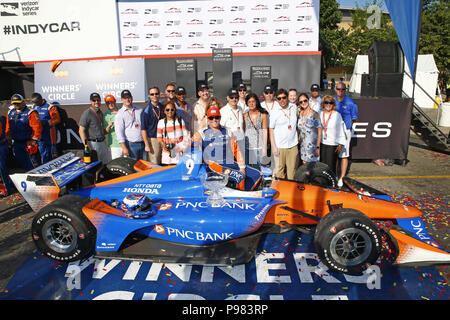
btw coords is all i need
(382, 130)
(74, 81)
(195, 27)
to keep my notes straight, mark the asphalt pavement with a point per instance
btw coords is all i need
(424, 182)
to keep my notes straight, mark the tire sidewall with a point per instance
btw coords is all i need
(85, 234)
(337, 221)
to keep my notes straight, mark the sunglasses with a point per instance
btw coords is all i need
(170, 91)
(169, 110)
(341, 89)
(303, 101)
(242, 89)
(234, 97)
(153, 94)
(268, 92)
(214, 118)
(96, 100)
(328, 102)
(282, 98)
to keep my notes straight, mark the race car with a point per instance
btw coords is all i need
(174, 214)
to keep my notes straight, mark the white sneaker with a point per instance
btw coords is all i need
(340, 183)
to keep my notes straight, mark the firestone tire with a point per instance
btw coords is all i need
(121, 166)
(316, 173)
(347, 241)
(62, 232)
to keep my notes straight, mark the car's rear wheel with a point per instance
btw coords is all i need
(347, 241)
(62, 232)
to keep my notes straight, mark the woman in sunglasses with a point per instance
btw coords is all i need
(172, 135)
(309, 129)
(332, 132)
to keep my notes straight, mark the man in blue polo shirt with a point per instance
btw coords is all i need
(349, 112)
(149, 122)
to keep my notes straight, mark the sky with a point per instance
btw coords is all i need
(361, 3)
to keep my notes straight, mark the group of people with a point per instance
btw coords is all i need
(285, 128)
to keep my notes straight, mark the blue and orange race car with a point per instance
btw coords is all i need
(176, 214)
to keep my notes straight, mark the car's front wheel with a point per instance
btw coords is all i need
(347, 241)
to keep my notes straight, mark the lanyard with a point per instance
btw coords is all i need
(96, 114)
(325, 123)
(153, 109)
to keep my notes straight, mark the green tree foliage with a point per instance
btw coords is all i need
(435, 34)
(330, 37)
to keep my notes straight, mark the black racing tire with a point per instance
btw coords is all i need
(316, 173)
(62, 232)
(347, 241)
(119, 167)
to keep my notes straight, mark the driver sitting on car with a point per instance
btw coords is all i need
(221, 153)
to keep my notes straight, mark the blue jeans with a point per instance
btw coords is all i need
(136, 149)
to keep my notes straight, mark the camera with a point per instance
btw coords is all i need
(169, 147)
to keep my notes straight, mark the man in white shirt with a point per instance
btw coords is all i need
(269, 103)
(233, 118)
(242, 90)
(315, 100)
(284, 138)
(128, 127)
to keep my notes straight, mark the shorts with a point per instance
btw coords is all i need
(345, 152)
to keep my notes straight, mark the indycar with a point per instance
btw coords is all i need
(141, 211)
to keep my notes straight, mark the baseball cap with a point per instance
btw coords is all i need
(94, 95)
(16, 98)
(181, 90)
(315, 87)
(232, 92)
(202, 86)
(242, 86)
(268, 88)
(125, 92)
(213, 111)
(110, 98)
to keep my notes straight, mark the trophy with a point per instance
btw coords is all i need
(214, 181)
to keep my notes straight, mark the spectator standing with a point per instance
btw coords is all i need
(293, 96)
(256, 124)
(172, 135)
(184, 109)
(269, 102)
(332, 132)
(310, 131)
(200, 106)
(61, 129)
(91, 128)
(170, 92)
(128, 127)
(4, 151)
(50, 117)
(349, 112)
(24, 127)
(114, 148)
(283, 134)
(315, 101)
(233, 118)
(149, 122)
(242, 90)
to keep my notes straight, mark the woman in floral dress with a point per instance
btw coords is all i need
(310, 130)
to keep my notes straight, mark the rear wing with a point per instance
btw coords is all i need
(42, 185)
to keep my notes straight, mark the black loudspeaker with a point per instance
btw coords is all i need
(382, 85)
(385, 57)
(367, 88)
